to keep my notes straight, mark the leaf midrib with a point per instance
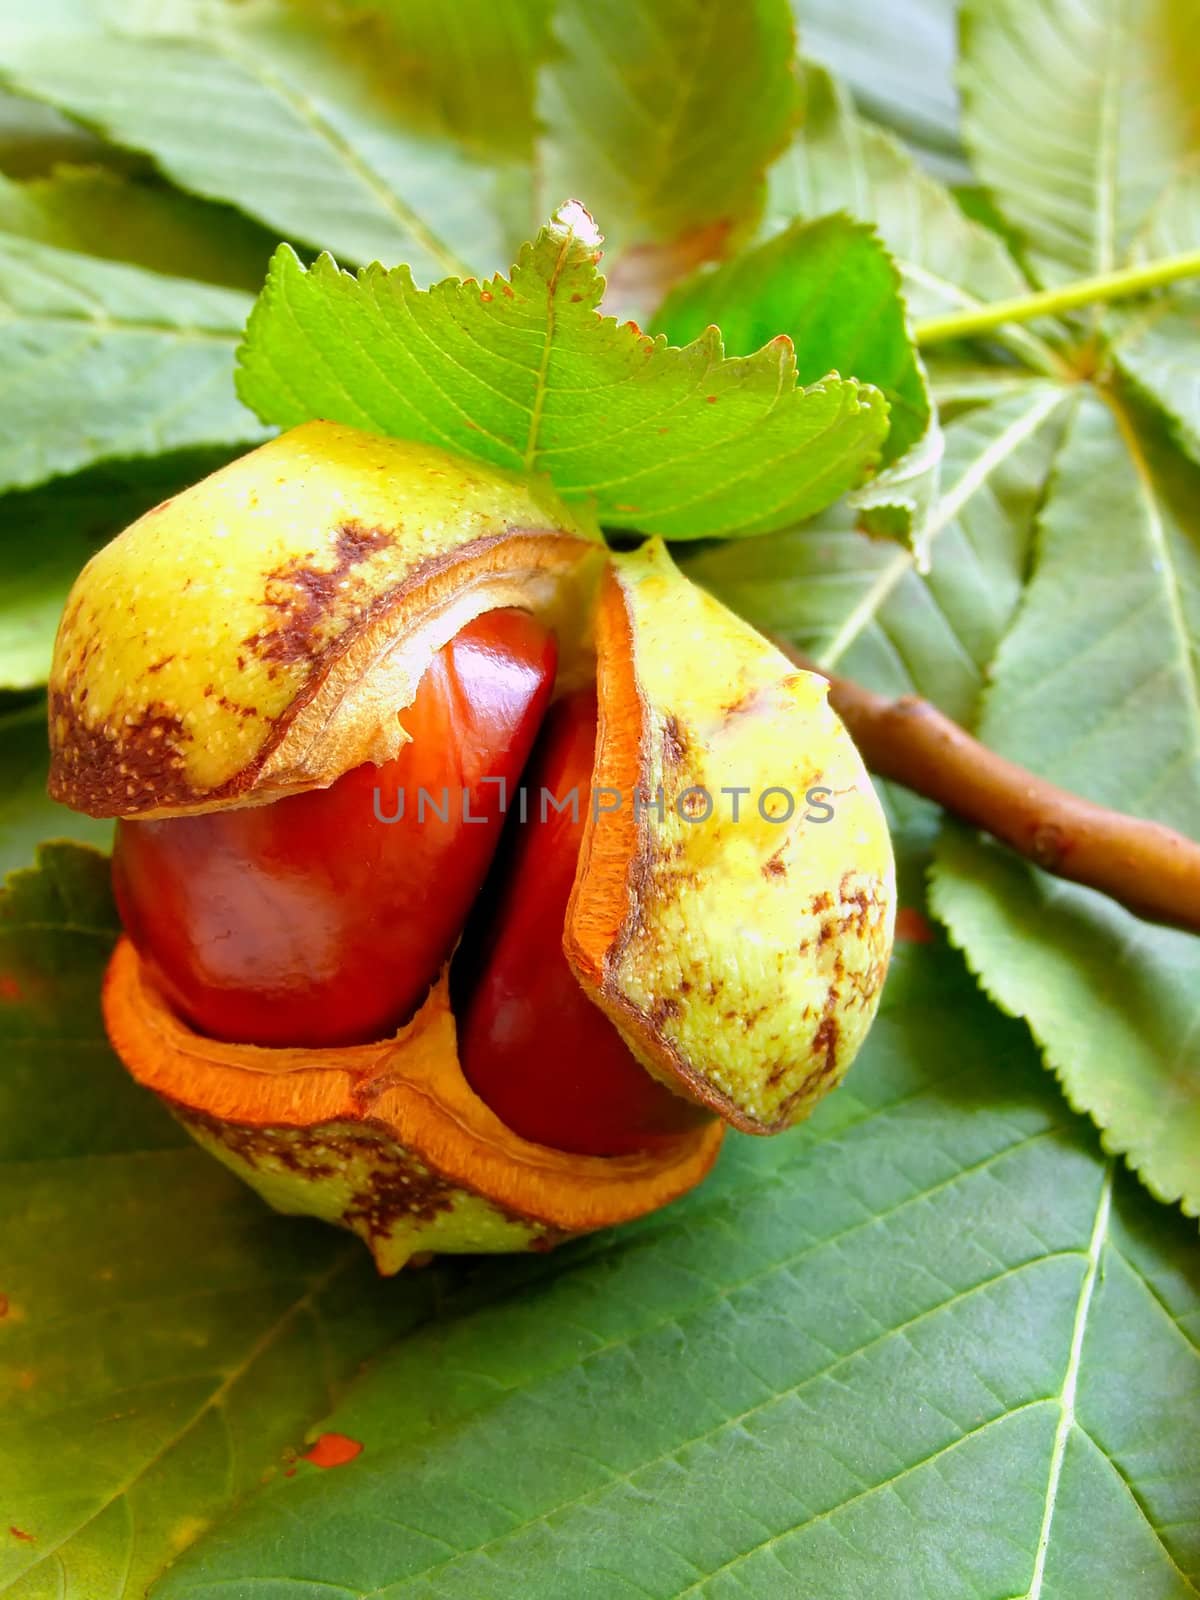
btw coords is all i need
(1067, 1390)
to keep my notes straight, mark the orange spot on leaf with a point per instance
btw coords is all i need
(3, 1305)
(19, 1533)
(912, 927)
(711, 398)
(10, 989)
(333, 1450)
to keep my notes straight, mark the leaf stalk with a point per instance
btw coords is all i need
(1104, 288)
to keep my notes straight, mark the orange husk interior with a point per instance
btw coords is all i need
(605, 878)
(614, 858)
(409, 1088)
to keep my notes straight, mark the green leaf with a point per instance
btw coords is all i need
(926, 1323)
(104, 360)
(663, 114)
(34, 139)
(1076, 114)
(1158, 346)
(98, 212)
(832, 288)
(853, 603)
(165, 1339)
(469, 69)
(1098, 688)
(525, 374)
(838, 162)
(1173, 227)
(290, 120)
(27, 813)
(1159, 350)
(899, 61)
(46, 535)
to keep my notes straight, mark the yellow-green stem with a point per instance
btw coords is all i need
(1050, 302)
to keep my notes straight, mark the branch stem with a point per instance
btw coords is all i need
(1106, 287)
(1152, 870)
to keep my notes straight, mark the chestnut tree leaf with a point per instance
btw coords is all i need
(1157, 345)
(98, 212)
(930, 1321)
(832, 288)
(27, 814)
(862, 607)
(279, 113)
(469, 68)
(46, 535)
(1076, 114)
(663, 114)
(840, 162)
(103, 360)
(164, 1339)
(523, 372)
(1097, 687)
(899, 62)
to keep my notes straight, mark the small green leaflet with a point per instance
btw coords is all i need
(832, 288)
(524, 373)
(840, 162)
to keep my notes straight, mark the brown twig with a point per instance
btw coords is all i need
(1149, 868)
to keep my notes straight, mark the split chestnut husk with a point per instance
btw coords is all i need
(241, 675)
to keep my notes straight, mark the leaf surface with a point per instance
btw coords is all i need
(889, 1331)
(333, 164)
(1158, 345)
(27, 813)
(104, 360)
(832, 288)
(165, 1340)
(840, 162)
(467, 69)
(97, 212)
(663, 114)
(861, 606)
(522, 372)
(1097, 687)
(1077, 113)
(46, 535)
(898, 61)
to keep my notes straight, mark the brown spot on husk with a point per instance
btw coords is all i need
(304, 594)
(149, 768)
